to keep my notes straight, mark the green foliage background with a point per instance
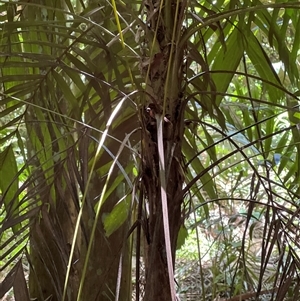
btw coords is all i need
(72, 92)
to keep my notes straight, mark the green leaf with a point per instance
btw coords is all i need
(9, 183)
(263, 65)
(182, 235)
(67, 92)
(297, 115)
(197, 168)
(115, 219)
(227, 62)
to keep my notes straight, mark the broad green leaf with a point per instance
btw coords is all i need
(225, 64)
(263, 65)
(297, 115)
(182, 235)
(9, 183)
(114, 220)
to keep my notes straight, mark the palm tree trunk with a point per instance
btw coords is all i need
(164, 78)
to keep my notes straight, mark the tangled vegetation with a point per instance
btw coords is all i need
(147, 141)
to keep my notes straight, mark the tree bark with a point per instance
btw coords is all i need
(164, 77)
